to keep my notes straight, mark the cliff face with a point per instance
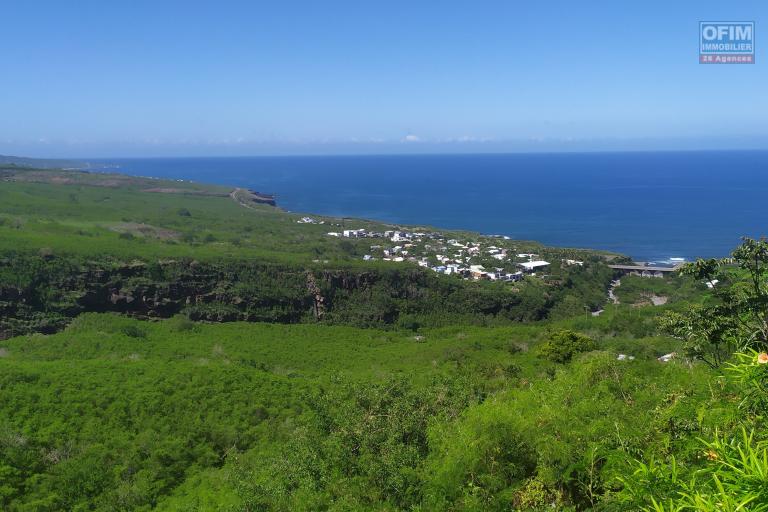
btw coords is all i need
(248, 198)
(41, 294)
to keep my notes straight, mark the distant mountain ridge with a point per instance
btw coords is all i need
(41, 163)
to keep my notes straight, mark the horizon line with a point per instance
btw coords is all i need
(399, 154)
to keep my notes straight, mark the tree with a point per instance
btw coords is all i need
(562, 345)
(737, 317)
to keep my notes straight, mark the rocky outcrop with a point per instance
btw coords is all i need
(317, 296)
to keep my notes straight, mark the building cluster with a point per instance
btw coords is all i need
(464, 258)
(395, 236)
(309, 220)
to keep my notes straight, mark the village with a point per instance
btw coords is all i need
(487, 257)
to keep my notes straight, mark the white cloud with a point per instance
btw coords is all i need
(411, 138)
(468, 139)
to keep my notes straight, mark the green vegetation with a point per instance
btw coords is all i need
(115, 413)
(181, 350)
(640, 291)
(561, 346)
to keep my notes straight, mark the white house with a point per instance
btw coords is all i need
(530, 266)
(354, 233)
(401, 237)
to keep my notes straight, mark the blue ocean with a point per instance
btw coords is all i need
(651, 206)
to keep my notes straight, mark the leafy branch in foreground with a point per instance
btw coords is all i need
(735, 474)
(737, 318)
(735, 478)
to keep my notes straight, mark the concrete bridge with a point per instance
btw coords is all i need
(645, 270)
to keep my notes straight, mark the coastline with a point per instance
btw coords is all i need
(656, 208)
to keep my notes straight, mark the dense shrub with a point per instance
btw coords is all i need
(562, 345)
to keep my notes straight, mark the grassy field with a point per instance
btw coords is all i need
(85, 216)
(95, 220)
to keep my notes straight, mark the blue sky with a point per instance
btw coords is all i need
(167, 78)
